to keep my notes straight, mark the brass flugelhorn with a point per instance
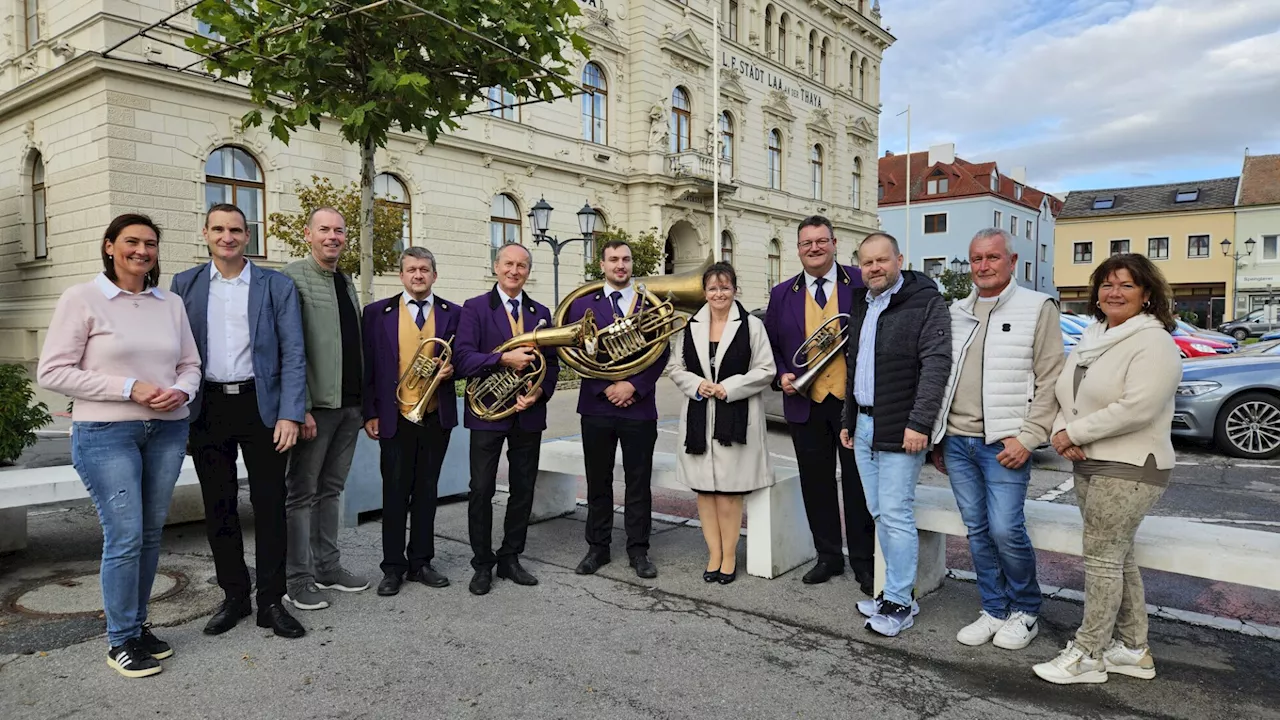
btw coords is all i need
(494, 396)
(423, 370)
(828, 341)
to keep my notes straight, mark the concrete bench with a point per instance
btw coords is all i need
(778, 537)
(1225, 554)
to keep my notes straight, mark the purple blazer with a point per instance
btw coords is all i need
(486, 324)
(382, 362)
(591, 398)
(784, 321)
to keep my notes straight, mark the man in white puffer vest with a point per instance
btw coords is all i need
(998, 406)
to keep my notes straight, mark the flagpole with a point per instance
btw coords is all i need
(715, 132)
(906, 243)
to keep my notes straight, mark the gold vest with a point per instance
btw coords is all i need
(832, 379)
(409, 336)
(517, 326)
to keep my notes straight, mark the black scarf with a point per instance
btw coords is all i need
(731, 417)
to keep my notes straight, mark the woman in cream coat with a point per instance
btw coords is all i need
(722, 363)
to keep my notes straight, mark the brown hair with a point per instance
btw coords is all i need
(113, 231)
(1146, 276)
(720, 269)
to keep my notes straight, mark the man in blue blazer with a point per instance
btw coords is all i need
(412, 452)
(248, 328)
(489, 320)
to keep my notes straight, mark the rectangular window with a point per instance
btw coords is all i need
(501, 103)
(998, 220)
(1119, 247)
(1013, 225)
(1158, 248)
(1082, 252)
(31, 10)
(1186, 196)
(1198, 246)
(1269, 247)
(733, 19)
(933, 267)
(1017, 191)
(938, 185)
(1026, 271)
(1044, 253)
(1028, 230)
(935, 223)
(1104, 203)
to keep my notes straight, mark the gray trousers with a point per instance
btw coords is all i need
(317, 474)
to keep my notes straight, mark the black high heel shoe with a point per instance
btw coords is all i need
(726, 578)
(711, 576)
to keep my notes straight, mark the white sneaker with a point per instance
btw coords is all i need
(869, 608)
(980, 631)
(1134, 663)
(1017, 632)
(1072, 666)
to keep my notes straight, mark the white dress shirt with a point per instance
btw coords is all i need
(506, 300)
(628, 299)
(411, 304)
(828, 287)
(230, 352)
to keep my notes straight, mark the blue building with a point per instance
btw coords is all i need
(952, 198)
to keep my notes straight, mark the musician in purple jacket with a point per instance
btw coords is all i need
(412, 453)
(796, 308)
(618, 412)
(487, 321)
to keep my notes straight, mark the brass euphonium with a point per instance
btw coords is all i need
(827, 342)
(633, 343)
(493, 397)
(424, 370)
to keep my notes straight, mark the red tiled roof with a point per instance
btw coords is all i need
(964, 179)
(1260, 180)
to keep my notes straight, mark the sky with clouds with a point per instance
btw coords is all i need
(1086, 93)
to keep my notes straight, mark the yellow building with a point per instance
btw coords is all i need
(1180, 227)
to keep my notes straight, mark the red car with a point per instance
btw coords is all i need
(1191, 346)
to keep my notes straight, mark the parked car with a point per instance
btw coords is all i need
(1232, 401)
(1191, 346)
(1257, 323)
(1190, 329)
(1273, 335)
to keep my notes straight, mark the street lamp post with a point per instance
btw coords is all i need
(540, 218)
(959, 266)
(1235, 271)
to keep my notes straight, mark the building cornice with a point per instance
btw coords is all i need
(1172, 215)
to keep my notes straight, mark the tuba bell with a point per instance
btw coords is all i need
(424, 370)
(827, 342)
(635, 342)
(493, 397)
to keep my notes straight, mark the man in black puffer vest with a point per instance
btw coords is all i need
(898, 364)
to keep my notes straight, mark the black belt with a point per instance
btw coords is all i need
(867, 410)
(231, 388)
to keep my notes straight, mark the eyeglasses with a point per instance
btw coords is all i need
(820, 242)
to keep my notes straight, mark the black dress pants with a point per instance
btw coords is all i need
(225, 423)
(523, 450)
(817, 446)
(600, 438)
(411, 463)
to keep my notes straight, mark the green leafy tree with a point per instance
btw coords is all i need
(646, 252)
(955, 285)
(385, 64)
(320, 193)
(19, 417)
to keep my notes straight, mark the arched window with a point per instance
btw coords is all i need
(501, 103)
(768, 30)
(822, 60)
(726, 139)
(595, 106)
(231, 175)
(504, 224)
(726, 247)
(813, 53)
(857, 183)
(732, 25)
(388, 191)
(784, 27)
(774, 269)
(775, 159)
(815, 164)
(853, 72)
(862, 79)
(39, 218)
(681, 121)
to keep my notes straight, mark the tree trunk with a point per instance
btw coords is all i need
(367, 149)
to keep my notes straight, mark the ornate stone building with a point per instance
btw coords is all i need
(86, 135)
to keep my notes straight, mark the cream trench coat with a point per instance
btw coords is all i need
(733, 468)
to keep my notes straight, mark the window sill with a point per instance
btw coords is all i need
(33, 263)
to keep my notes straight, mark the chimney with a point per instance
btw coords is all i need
(1018, 174)
(944, 153)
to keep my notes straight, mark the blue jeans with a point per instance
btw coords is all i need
(991, 498)
(889, 481)
(129, 468)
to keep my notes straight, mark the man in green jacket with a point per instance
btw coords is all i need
(320, 462)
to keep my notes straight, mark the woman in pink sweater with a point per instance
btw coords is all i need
(123, 350)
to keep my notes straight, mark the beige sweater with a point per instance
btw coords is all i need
(1124, 407)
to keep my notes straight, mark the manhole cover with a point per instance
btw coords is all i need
(82, 594)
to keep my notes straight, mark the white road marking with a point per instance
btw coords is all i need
(1059, 491)
(1185, 463)
(1264, 466)
(672, 432)
(1227, 521)
(782, 457)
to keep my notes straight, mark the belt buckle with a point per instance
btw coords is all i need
(231, 388)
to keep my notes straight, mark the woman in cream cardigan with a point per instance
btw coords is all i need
(1116, 396)
(722, 363)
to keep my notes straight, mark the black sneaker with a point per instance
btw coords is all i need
(132, 660)
(154, 646)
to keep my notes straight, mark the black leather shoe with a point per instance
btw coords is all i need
(594, 560)
(866, 581)
(390, 584)
(428, 576)
(280, 621)
(822, 571)
(513, 571)
(726, 578)
(711, 576)
(644, 567)
(228, 614)
(481, 582)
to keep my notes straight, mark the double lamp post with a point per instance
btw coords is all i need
(540, 219)
(1236, 257)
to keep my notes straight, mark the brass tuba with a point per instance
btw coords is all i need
(828, 342)
(425, 369)
(633, 343)
(493, 397)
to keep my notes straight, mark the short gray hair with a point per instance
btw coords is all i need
(506, 245)
(996, 232)
(883, 236)
(422, 254)
(312, 215)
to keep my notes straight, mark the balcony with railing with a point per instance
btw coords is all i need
(700, 169)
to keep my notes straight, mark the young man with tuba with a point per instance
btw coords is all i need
(486, 355)
(410, 408)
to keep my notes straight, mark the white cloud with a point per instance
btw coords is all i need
(1084, 91)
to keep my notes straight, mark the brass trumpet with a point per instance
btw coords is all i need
(425, 368)
(494, 396)
(829, 341)
(633, 343)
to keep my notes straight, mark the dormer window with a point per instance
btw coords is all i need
(1104, 203)
(995, 181)
(1184, 196)
(1017, 191)
(938, 185)
(880, 192)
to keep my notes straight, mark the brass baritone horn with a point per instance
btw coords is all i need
(829, 342)
(425, 369)
(494, 396)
